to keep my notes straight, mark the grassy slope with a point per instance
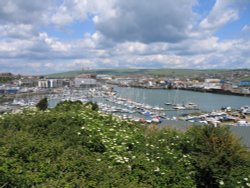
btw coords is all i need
(160, 72)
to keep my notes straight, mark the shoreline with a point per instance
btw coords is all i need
(8, 97)
(214, 91)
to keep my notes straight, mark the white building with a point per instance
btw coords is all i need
(212, 84)
(212, 80)
(50, 83)
(85, 80)
(43, 83)
(103, 77)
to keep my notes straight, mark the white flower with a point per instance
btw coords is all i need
(133, 157)
(98, 160)
(157, 169)
(248, 184)
(246, 179)
(78, 133)
(126, 159)
(82, 127)
(221, 182)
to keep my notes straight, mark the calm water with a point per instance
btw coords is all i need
(206, 101)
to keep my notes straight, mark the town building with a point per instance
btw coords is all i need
(27, 82)
(50, 83)
(212, 84)
(85, 81)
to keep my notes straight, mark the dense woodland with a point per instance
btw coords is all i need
(74, 145)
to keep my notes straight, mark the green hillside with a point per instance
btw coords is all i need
(75, 146)
(156, 72)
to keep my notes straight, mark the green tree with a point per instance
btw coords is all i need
(216, 155)
(42, 104)
(94, 106)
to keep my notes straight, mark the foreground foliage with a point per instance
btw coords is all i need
(42, 104)
(76, 146)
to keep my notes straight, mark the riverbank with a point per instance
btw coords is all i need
(8, 97)
(216, 91)
(201, 90)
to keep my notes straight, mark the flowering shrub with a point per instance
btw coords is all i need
(75, 146)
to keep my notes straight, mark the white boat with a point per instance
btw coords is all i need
(242, 123)
(156, 120)
(245, 109)
(179, 107)
(191, 105)
(168, 103)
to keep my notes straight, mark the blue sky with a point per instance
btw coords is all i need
(39, 37)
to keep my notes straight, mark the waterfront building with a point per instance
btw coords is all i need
(27, 82)
(43, 83)
(11, 90)
(85, 80)
(103, 77)
(50, 83)
(212, 84)
(245, 83)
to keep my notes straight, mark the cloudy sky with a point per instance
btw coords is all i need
(46, 36)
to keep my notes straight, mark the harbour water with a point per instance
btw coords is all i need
(206, 102)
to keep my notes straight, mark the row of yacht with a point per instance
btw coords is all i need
(218, 117)
(187, 106)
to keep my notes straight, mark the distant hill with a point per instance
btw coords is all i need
(156, 72)
(71, 74)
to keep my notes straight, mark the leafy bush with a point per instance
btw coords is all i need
(94, 106)
(42, 104)
(75, 146)
(218, 157)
